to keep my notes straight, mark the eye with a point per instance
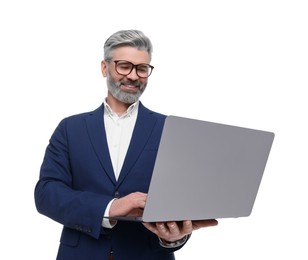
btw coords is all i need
(143, 68)
(124, 66)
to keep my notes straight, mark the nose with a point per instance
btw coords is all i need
(133, 75)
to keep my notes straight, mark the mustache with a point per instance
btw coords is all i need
(129, 82)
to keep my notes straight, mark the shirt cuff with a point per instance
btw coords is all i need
(107, 223)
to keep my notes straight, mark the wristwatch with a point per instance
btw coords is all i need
(173, 244)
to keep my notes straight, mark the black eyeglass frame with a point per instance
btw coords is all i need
(134, 66)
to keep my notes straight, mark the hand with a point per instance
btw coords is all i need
(173, 231)
(197, 224)
(130, 205)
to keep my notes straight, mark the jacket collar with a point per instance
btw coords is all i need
(142, 131)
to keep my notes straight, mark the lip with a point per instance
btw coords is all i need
(129, 88)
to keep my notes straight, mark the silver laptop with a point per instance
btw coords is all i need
(205, 170)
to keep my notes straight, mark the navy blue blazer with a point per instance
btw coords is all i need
(77, 182)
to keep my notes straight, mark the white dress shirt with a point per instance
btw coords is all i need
(119, 130)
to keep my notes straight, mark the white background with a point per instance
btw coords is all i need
(236, 62)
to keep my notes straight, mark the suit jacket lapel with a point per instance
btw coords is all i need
(97, 133)
(142, 131)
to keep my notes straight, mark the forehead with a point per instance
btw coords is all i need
(131, 54)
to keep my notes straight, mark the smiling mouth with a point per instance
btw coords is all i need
(129, 87)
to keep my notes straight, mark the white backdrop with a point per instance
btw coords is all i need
(236, 62)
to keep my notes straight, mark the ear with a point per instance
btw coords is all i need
(104, 68)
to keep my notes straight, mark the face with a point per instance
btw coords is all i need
(129, 88)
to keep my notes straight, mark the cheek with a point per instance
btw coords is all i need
(144, 83)
(112, 77)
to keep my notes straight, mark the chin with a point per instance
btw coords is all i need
(128, 98)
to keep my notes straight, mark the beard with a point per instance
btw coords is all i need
(125, 97)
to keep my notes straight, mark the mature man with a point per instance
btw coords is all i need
(99, 164)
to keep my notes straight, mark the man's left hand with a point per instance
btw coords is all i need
(173, 231)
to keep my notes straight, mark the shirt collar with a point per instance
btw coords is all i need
(132, 109)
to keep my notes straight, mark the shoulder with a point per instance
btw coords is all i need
(78, 120)
(81, 116)
(146, 110)
(98, 111)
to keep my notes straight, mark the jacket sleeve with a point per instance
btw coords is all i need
(55, 194)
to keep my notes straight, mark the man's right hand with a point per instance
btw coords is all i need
(130, 205)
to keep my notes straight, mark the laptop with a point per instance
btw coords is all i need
(205, 170)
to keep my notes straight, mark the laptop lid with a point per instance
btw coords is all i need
(206, 170)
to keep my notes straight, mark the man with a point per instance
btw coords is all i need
(99, 165)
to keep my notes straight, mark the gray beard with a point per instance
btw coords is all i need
(127, 98)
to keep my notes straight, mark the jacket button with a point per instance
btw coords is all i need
(77, 227)
(117, 194)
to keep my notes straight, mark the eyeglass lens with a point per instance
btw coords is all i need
(126, 67)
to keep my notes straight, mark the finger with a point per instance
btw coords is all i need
(139, 196)
(187, 227)
(139, 204)
(204, 223)
(135, 213)
(136, 199)
(173, 228)
(162, 229)
(141, 193)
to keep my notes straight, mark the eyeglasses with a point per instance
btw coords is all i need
(124, 68)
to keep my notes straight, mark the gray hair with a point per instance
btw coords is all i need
(133, 38)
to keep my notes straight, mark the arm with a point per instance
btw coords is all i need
(58, 196)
